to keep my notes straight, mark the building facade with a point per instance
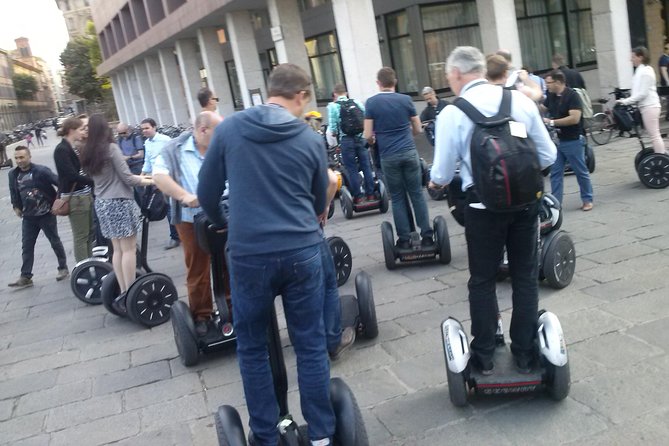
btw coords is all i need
(158, 53)
(77, 14)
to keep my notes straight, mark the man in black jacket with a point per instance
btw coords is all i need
(32, 190)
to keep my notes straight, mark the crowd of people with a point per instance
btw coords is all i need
(275, 222)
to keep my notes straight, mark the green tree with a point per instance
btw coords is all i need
(25, 86)
(79, 74)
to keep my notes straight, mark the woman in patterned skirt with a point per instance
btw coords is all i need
(118, 214)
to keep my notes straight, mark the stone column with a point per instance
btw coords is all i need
(499, 29)
(158, 91)
(173, 86)
(119, 98)
(613, 43)
(358, 45)
(288, 36)
(144, 88)
(189, 67)
(214, 65)
(130, 100)
(245, 53)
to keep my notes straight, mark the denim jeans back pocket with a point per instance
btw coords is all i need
(308, 272)
(247, 280)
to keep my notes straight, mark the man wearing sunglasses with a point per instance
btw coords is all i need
(207, 100)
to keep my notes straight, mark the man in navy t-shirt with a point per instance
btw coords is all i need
(391, 121)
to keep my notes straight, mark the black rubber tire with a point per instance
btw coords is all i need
(425, 172)
(331, 210)
(150, 299)
(385, 199)
(653, 171)
(443, 241)
(641, 154)
(601, 128)
(558, 381)
(559, 260)
(229, 427)
(343, 260)
(366, 308)
(184, 333)
(388, 245)
(457, 387)
(350, 426)
(346, 202)
(86, 280)
(590, 158)
(109, 290)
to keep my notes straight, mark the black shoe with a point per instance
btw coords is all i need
(402, 244)
(523, 364)
(427, 242)
(201, 328)
(119, 304)
(486, 369)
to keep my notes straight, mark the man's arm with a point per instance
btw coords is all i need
(665, 74)
(171, 188)
(212, 177)
(14, 193)
(332, 191)
(368, 132)
(333, 119)
(445, 148)
(416, 126)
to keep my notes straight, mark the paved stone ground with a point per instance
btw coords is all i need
(72, 374)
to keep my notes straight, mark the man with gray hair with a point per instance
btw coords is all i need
(429, 115)
(488, 232)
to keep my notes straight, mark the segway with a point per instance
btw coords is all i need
(220, 331)
(349, 207)
(148, 299)
(416, 252)
(550, 373)
(652, 168)
(341, 254)
(350, 427)
(88, 274)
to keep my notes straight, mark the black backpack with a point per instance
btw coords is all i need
(351, 118)
(153, 203)
(505, 168)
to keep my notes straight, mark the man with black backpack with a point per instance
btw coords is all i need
(345, 120)
(492, 129)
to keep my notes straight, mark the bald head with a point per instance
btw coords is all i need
(122, 128)
(205, 123)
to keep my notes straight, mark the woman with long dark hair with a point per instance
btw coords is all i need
(118, 214)
(75, 186)
(644, 95)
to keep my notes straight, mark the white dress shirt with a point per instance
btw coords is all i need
(644, 91)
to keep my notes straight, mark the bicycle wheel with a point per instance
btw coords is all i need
(601, 128)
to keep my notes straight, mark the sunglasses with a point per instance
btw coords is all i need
(215, 99)
(122, 133)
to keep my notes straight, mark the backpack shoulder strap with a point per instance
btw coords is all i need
(469, 110)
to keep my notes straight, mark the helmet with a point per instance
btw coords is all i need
(550, 214)
(313, 114)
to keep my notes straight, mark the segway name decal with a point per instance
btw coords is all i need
(503, 389)
(447, 342)
(417, 256)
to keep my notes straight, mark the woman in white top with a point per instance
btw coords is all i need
(644, 95)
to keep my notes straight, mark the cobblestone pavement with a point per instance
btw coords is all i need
(72, 374)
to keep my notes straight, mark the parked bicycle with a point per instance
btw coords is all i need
(602, 125)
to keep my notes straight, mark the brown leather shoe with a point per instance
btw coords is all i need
(587, 207)
(347, 340)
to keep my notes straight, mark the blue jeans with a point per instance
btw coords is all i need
(487, 233)
(352, 147)
(574, 152)
(332, 305)
(31, 226)
(255, 281)
(403, 178)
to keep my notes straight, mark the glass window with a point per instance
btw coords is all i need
(235, 89)
(401, 52)
(326, 69)
(546, 28)
(445, 27)
(308, 4)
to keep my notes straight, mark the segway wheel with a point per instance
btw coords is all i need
(590, 158)
(369, 326)
(109, 290)
(443, 241)
(385, 200)
(229, 427)
(558, 381)
(425, 173)
(331, 210)
(343, 260)
(457, 387)
(150, 298)
(388, 244)
(350, 427)
(653, 171)
(559, 261)
(86, 280)
(184, 333)
(346, 202)
(640, 155)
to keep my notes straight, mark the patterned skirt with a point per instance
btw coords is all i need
(118, 217)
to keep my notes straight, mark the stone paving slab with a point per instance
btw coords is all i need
(72, 374)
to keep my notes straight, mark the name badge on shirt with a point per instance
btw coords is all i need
(518, 129)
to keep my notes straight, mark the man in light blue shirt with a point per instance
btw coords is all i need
(352, 146)
(488, 232)
(175, 171)
(153, 145)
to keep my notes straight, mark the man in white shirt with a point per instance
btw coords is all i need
(487, 232)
